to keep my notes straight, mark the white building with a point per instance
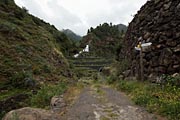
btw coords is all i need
(86, 49)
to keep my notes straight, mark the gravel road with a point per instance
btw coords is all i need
(100, 102)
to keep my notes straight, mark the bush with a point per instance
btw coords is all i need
(22, 79)
(142, 100)
(173, 81)
(2, 114)
(121, 66)
(172, 110)
(20, 14)
(46, 69)
(163, 101)
(127, 86)
(111, 79)
(7, 27)
(37, 21)
(43, 97)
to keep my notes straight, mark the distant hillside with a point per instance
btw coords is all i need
(103, 39)
(73, 36)
(122, 27)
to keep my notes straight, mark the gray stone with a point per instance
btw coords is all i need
(171, 43)
(121, 77)
(176, 75)
(156, 1)
(176, 66)
(167, 6)
(28, 113)
(178, 6)
(147, 35)
(177, 49)
(126, 73)
(131, 78)
(157, 22)
(57, 103)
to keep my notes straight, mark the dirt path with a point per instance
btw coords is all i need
(100, 102)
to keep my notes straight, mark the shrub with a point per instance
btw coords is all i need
(127, 86)
(7, 27)
(25, 9)
(20, 14)
(22, 79)
(173, 81)
(43, 97)
(142, 99)
(111, 79)
(37, 21)
(163, 101)
(2, 114)
(171, 110)
(46, 69)
(121, 66)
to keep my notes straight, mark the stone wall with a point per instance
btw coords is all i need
(158, 21)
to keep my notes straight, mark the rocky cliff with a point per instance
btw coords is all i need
(158, 21)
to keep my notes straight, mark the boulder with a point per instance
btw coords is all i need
(131, 78)
(57, 103)
(28, 113)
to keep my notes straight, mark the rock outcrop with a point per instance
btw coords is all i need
(57, 106)
(158, 21)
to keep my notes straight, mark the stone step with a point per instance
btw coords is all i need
(97, 67)
(89, 59)
(91, 63)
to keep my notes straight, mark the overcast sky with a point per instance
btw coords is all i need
(80, 15)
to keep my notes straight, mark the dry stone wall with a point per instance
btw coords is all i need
(158, 21)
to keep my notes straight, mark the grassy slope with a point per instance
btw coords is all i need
(27, 47)
(30, 49)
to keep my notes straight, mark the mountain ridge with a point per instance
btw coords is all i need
(72, 35)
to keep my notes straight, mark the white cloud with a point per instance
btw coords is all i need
(79, 15)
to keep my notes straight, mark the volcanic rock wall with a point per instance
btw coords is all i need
(158, 21)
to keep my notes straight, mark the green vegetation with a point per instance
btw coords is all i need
(40, 99)
(31, 55)
(30, 48)
(43, 97)
(169, 80)
(157, 99)
(12, 92)
(104, 40)
(117, 68)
